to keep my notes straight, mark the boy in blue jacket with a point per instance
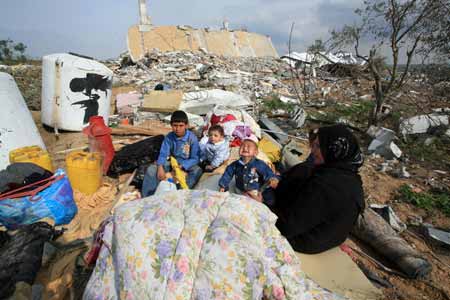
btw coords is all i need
(182, 144)
(253, 177)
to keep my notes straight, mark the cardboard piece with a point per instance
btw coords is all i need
(335, 271)
(162, 101)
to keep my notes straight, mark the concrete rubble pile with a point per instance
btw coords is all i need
(189, 71)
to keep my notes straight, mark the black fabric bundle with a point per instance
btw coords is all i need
(136, 156)
(17, 175)
(21, 255)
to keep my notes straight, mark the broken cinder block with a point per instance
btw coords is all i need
(383, 143)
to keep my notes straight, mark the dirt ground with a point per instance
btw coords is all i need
(381, 188)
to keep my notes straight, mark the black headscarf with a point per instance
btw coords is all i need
(340, 147)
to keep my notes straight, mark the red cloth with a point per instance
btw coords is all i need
(236, 142)
(91, 256)
(221, 119)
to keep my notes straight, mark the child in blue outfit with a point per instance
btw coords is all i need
(181, 144)
(217, 150)
(253, 177)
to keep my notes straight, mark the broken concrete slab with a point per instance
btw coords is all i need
(372, 131)
(444, 110)
(202, 102)
(162, 101)
(386, 109)
(293, 153)
(299, 117)
(429, 140)
(366, 97)
(227, 78)
(383, 143)
(389, 216)
(422, 123)
(401, 173)
(226, 43)
(437, 235)
(290, 100)
(273, 130)
(325, 91)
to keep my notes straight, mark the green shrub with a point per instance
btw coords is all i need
(436, 154)
(11, 53)
(426, 200)
(273, 103)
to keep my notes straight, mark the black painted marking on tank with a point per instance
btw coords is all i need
(92, 82)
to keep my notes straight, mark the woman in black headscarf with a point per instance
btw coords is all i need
(319, 201)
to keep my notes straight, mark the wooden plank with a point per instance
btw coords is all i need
(131, 130)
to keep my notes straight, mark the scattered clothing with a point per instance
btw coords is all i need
(201, 245)
(242, 132)
(318, 205)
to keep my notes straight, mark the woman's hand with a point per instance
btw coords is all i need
(274, 183)
(255, 195)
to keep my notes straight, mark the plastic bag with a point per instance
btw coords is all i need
(165, 186)
(53, 198)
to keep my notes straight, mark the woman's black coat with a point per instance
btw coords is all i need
(317, 206)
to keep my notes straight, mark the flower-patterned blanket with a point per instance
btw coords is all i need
(197, 245)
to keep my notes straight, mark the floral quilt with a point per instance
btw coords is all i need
(197, 245)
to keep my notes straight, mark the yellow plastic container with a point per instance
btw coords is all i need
(85, 171)
(32, 154)
(270, 148)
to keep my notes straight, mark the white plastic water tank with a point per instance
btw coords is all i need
(74, 88)
(17, 128)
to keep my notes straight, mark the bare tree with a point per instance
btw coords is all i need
(303, 72)
(399, 24)
(317, 47)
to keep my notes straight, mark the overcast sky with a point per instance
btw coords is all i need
(98, 27)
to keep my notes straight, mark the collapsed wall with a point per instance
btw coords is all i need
(220, 42)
